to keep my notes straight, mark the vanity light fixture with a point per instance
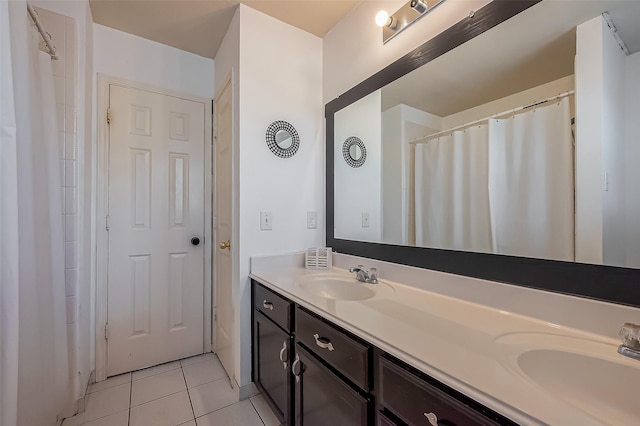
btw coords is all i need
(404, 17)
(384, 20)
(419, 6)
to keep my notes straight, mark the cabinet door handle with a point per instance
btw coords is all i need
(284, 348)
(296, 363)
(433, 419)
(323, 342)
(267, 305)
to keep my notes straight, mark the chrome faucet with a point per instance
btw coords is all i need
(630, 336)
(370, 276)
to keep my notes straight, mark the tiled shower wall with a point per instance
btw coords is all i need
(63, 31)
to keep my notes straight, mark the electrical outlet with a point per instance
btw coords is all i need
(365, 220)
(312, 220)
(266, 220)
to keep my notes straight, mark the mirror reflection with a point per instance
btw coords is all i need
(521, 142)
(284, 139)
(355, 152)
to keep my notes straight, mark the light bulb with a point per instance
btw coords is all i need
(382, 18)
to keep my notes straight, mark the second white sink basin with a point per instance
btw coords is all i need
(587, 374)
(604, 388)
(341, 287)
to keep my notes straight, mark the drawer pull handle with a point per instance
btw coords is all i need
(323, 342)
(267, 305)
(433, 419)
(284, 348)
(296, 362)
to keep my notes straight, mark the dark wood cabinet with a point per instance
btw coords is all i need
(273, 350)
(271, 364)
(414, 398)
(314, 373)
(322, 398)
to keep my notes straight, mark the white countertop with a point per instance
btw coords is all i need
(470, 347)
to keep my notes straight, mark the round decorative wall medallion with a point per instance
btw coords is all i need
(354, 151)
(282, 139)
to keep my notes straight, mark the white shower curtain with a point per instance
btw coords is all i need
(452, 200)
(506, 187)
(531, 183)
(34, 357)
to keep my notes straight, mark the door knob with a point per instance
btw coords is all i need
(225, 245)
(195, 241)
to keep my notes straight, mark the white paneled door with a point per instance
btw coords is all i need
(223, 203)
(155, 229)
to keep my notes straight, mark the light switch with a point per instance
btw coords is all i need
(266, 221)
(365, 220)
(312, 220)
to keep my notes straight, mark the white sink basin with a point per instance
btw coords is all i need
(587, 374)
(341, 287)
(604, 388)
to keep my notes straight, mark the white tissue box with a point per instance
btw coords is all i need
(318, 258)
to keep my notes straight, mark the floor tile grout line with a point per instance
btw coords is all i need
(188, 393)
(151, 375)
(130, 397)
(257, 412)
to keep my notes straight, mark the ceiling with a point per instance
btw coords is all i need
(199, 26)
(533, 48)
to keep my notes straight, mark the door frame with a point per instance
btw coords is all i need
(100, 264)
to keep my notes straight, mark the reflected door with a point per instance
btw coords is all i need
(156, 219)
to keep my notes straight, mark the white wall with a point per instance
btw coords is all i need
(353, 49)
(613, 151)
(400, 125)
(526, 97)
(358, 190)
(123, 55)
(280, 78)
(589, 131)
(632, 159)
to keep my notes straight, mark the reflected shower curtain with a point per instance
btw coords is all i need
(531, 183)
(452, 199)
(505, 188)
(34, 378)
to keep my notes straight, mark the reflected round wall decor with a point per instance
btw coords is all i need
(282, 139)
(354, 151)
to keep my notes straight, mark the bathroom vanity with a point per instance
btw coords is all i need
(328, 349)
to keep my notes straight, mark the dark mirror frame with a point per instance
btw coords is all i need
(607, 283)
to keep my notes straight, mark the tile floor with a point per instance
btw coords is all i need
(191, 392)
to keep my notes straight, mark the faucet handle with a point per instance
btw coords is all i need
(373, 275)
(630, 336)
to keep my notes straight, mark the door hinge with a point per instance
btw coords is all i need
(107, 222)
(214, 313)
(108, 116)
(106, 331)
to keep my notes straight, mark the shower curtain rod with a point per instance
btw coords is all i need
(426, 138)
(45, 35)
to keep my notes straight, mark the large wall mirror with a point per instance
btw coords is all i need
(506, 148)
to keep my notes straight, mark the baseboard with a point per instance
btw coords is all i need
(81, 404)
(247, 391)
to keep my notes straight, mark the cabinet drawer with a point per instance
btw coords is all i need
(338, 349)
(272, 305)
(416, 402)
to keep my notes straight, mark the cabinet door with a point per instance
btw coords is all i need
(271, 349)
(322, 398)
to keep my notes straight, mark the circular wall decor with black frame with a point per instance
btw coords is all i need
(282, 139)
(354, 151)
